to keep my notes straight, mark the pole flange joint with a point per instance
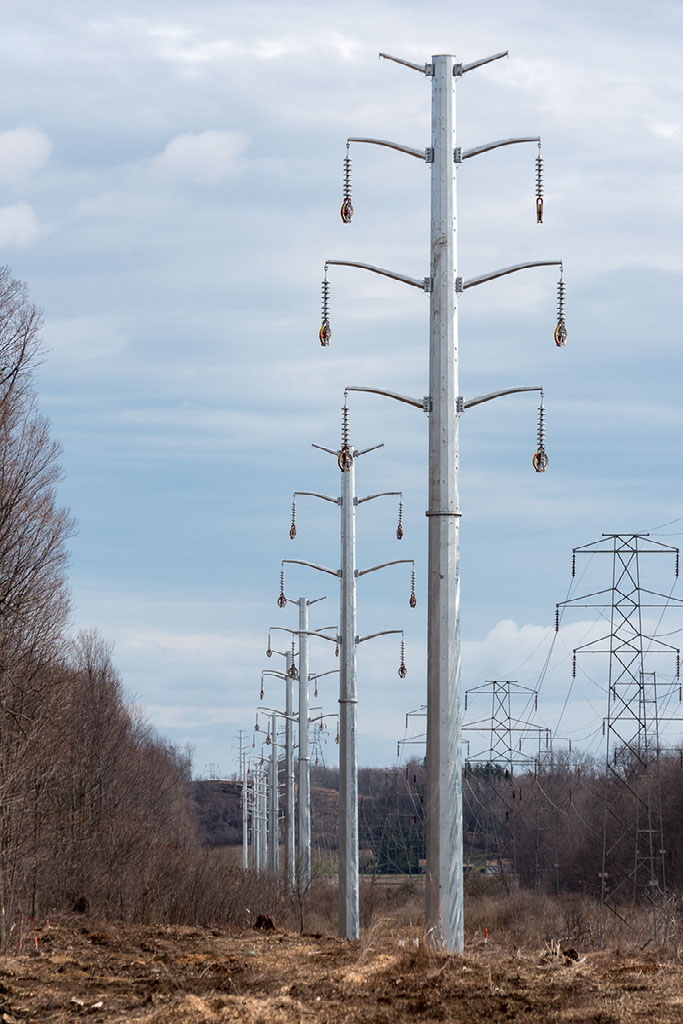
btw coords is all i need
(442, 512)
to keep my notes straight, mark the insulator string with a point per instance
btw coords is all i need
(540, 460)
(269, 648)
(292, 671)
(399, 528)
(413, 599)
(539, 186)
(402, 670)
(282, 600)
(325, 332)
(345, 457)
(573, 563)
(292, 528)
(561, 334)
(346, 211)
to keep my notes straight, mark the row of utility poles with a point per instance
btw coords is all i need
(444, 406)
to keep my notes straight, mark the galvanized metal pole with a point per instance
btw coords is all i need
(349, 920)
(304, 858)
(255, 823)
(245, 804)
(444, 881)
(273, 803)
(263, 821)
(289, 784)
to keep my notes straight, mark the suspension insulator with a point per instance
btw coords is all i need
(539, 186)
(560, 334)
(557, 620)
(325, 332)
(540, 460)
(402, 670)
(399, 528)
(413, 599)
(573, 563)
(346, 210)
(292, 528)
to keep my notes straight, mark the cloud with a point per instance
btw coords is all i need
(205, 157)
(23, 151)
(19, 224)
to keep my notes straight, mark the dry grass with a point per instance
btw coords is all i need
(181, 975)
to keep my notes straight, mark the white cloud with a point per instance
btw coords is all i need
(19, 224)
(22, 152)
(204, 157)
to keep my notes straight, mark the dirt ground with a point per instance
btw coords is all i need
(174, 975)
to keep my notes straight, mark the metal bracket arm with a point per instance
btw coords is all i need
(471, 402)
(311, 565)
(425, 69)
(398, 561)
(421, 154)
(461, 69)
(308, 632)
(419, 403)
(364, 451)
(371, 636)
(382, 494)
(461, 285)
(425, 284)
(488, 146)
(323, 497)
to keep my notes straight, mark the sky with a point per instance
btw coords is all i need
(170, 181)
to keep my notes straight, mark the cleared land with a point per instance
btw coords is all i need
(173, 975)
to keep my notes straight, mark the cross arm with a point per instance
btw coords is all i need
(314, 494)
(382, 494)
(461, 285)
(425, 283)
(312, 565)
(398, 561)
(471, 402)
(488, 146)
(371, 636)
(421, 154)
(419, 403)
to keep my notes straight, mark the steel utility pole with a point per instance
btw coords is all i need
(289, 762)
(273, 803)
(444, 405)
(303, 864)
(245, 807)
(347, 641)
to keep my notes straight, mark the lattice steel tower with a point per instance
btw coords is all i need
(633, 872)
(493, 789)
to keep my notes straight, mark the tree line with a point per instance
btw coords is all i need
(96, 812)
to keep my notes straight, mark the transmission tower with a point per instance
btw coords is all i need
(508, 747)
(633, 875)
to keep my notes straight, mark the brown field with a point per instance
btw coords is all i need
(99, 972)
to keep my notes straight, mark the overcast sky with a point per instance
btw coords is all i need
(170, 178)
